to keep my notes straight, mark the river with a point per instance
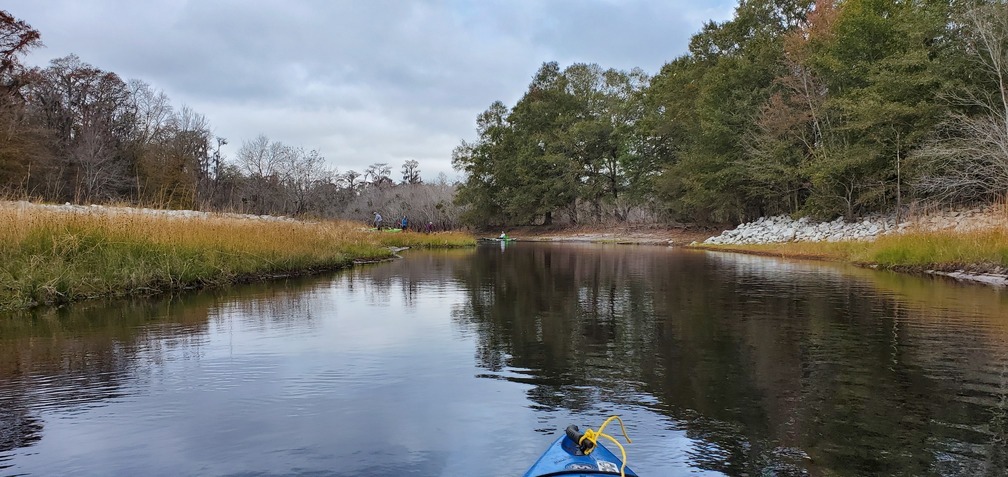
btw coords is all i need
(468, 363)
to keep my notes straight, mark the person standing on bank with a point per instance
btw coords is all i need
(404, 223)
(377, 220)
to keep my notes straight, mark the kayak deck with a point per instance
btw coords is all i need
(564, 458)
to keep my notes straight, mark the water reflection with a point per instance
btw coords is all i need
(773, 366)
(719, 363)
(71, 362)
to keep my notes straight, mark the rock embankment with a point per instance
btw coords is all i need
(783, 228)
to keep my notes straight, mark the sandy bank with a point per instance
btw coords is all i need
(637, 234)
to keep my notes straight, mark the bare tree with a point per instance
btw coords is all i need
(16, 38)
(411, 172)
(89, 113)
(22, 144)
(422, 203)
(259, 158)
(969, 161)
(378, 174)
(217, 157)
(191, 143)
(262, 162)
(350, 178)
(174, 167)
(304, 171)
(152, 114)
(152, 110)
(99, 170)
(281, 179)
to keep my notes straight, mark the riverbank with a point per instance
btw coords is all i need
(980, 256)
(630, 234)
(51, 255)
(965, 244)
(970, 244)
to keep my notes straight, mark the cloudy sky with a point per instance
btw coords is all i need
(362, 81)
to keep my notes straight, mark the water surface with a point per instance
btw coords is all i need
(467, 363)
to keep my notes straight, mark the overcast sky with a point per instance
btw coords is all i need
(361, 81)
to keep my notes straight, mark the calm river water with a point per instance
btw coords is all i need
(468, 363)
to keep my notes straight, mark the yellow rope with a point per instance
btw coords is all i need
(592, 436)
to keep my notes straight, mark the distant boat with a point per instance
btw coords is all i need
(496, 239)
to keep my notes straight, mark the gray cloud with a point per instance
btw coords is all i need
(361, 81)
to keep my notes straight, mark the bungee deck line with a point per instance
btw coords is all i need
(592, 436)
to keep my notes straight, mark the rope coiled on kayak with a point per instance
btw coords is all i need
(593, 435)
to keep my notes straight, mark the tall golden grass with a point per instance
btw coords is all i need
(938, 250)
(51, 257)
(978, 249)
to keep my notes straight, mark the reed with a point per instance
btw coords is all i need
(51, 257)
(422, 240)
(939, 250)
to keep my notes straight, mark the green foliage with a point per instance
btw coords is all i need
(726, 84)
(569, 140)
(485, 165)
(884, 87)
(788, 107)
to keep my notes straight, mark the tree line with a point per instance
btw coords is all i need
(824, 108)
(72, 132)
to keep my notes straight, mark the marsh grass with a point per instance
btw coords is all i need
(422, 240)
(939, 250)
(51, 257)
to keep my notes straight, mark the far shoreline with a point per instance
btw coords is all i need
(988, 273)
(58, 254)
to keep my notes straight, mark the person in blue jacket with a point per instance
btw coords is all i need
(404, 223)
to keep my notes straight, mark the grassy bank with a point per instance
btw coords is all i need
(51, 257)
(978, 251)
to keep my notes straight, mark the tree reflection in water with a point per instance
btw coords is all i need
(769, 366)
(774, 366)
(68, 358)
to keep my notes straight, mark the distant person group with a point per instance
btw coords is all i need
(403, 223)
